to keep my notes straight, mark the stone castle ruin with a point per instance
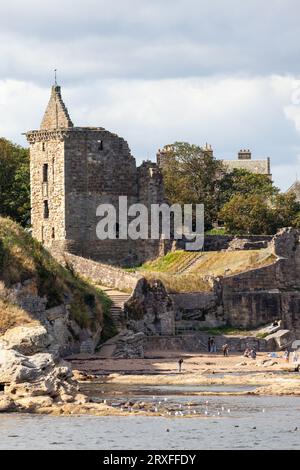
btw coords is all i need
(73, 170)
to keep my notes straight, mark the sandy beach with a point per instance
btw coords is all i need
(271, 376)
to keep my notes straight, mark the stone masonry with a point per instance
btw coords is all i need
(73, 170)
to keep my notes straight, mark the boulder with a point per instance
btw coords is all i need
(129, 345)
(17, 368)
(279, 340)
(6, 404)
(27, 340)
(33, 403)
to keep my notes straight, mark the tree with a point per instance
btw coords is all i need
(14, 182)
(286, 211)
(192, 176)
(243, 182)
(247, 215)
(256, 215)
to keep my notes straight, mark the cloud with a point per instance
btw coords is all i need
(156, 72)
(229, 113)
(139, 39)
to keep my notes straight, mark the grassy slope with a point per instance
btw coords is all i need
(22, 258)
(214, 263)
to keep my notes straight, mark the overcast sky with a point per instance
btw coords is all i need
(225, 72)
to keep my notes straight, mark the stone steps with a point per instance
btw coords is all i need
(118, 299)
(190, 264)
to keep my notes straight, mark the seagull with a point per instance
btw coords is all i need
(228, 411)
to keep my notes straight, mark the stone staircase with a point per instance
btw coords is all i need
(118, 299)
(190, 264)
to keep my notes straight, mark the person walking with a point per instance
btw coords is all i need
(209, 344)
(225, 349)
(213, 347)
(180, 365)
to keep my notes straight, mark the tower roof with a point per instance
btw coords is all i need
(56, 114)
(295, 188)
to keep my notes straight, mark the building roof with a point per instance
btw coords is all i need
(56, 115)
(261, 167)
(295, 188)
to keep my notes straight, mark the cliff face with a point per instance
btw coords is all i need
(265, 291)
(35, 289)
(262, 295)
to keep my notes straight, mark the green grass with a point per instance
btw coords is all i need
(171, 268)
(23, 258)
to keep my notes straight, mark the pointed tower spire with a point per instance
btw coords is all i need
(56, 115)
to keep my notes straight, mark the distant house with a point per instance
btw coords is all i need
(245, 162)
(295, 188)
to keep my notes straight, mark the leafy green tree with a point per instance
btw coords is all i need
(192, 176)
(247, 215)
(14, 182)
(254, 214)
(243, 182)
(286, 211)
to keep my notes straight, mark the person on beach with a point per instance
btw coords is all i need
(253, 353)
(180, 365)
(225, 349)
(213, 347)
(209, 344)
(247, 353)
(286, 355)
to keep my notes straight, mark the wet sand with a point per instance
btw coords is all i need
(275, 377)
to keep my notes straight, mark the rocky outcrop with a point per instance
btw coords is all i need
(31, 377)
(281, 339)
(32, 382)
(27, 340)
(126, 345)
(129, 345)
(150, 309)
(57, 324)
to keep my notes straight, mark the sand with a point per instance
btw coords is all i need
(274, 377)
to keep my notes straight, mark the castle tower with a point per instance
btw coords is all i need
(56, 115)
(72, 171)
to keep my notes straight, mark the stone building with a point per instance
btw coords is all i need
(244, 160)
(295, 189)
(73, 170)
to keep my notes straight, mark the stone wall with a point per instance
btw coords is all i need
(197, 310)
(225, 242)
(47, 186)
(100, 273)
(262, 295)
(197, 342)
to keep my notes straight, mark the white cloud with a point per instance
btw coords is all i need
(156, 72)
(229, 113)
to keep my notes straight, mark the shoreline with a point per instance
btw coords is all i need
(114, 387)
